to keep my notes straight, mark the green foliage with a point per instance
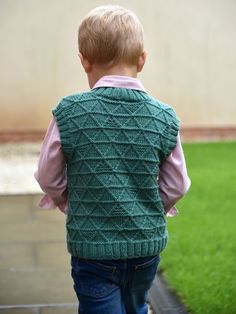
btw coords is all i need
(199, 261)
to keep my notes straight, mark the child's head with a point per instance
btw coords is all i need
(110, 35)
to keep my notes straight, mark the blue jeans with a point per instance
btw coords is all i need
(113, 286)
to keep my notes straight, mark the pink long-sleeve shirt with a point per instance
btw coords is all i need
(51, 174)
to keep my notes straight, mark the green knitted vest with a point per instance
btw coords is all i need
(114, 140)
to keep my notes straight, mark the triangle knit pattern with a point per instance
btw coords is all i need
(114, 140)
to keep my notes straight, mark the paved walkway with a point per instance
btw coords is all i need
(35, 267)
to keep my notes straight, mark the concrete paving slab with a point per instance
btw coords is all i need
(49, 255)
(36, 285)
(20, 311)
(60, 310)
(48, 215)
(41, 309)
(35, 231)
(35, 265)
(15, 209)
(20, 255)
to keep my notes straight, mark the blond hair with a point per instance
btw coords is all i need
(111, 34)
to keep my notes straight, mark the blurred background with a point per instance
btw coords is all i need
(191, 58)
(191, 65)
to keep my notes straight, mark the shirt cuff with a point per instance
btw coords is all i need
(172, 212)
(47, 202)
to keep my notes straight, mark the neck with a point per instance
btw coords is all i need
(98, 71)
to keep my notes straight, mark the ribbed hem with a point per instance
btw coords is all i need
(102, 251)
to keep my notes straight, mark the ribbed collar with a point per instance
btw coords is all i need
(119, 82)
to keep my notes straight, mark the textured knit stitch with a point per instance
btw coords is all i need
(114, 140)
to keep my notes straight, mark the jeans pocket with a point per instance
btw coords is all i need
(92, 278)
(144, 273)
(103, 266)
(148, 262)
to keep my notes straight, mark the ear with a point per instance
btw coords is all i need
(86, 64)
(141, 61)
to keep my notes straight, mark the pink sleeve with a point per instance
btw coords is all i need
(173, 179)
(51, 173)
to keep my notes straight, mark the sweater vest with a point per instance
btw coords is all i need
(114, 141)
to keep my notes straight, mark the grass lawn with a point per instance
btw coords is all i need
(200, 259)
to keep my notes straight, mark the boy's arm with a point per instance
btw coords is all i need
(51, 173)
(173, 179)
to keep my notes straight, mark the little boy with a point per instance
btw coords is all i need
(112, 160)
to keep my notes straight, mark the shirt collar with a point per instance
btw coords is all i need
(119, 82)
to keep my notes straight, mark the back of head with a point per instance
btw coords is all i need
(111, 35)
